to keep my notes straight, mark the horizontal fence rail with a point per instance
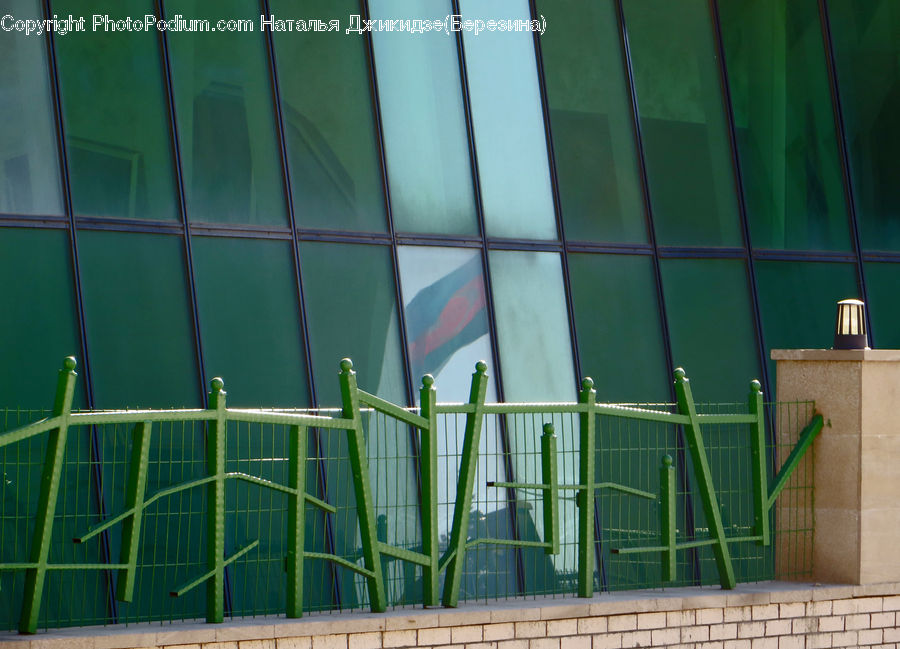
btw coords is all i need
(429, 522)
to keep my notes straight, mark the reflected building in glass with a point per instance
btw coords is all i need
(648, 184)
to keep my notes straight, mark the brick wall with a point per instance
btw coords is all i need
(764, 616)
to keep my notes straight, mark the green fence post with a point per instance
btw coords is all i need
(215, 516)
(429, 500)
(464, 486)
(585, 497)
(35, 577)
(362, 486)
(296, 520)
(760, 471)
(134, 501)
(549, 476)
(667, 517)
(704, 479)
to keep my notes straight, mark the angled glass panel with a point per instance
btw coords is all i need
(536, 355)
(425, 138)
(711, 327)
(114, 101)
(447, 334)
(785, 124)
(42, 329)
(138, 318)
(685, 134)
(798, 302)
(590, 114)
(508, 123)
(250, 320)
(620, 342)
(882, 280)
(226, 116)
(866, 40)
(329, 123)
(29, 163)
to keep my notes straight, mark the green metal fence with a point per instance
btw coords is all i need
(126, 516)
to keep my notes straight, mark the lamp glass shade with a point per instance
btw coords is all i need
(850, 328)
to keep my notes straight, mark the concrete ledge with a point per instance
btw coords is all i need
(835, 354)
(685, 608)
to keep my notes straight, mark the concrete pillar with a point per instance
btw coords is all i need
(857, 458)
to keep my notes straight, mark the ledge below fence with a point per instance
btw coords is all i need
(772, 615)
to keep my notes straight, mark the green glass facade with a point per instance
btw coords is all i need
(648, 184)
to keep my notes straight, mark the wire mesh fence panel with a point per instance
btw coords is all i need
(523, 500)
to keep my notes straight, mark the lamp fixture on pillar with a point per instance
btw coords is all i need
(850, 329)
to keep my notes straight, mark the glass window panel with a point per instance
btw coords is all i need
(509, 124)
(798, 302)
(250, 321)
(363, 277)
(138, 320)
(29, 165)
(536, 353)
(117, 125)
(619, 330)
(866, 38)
(530, 310)
(447, 333)
(711, 326)
(41, 329)
(882, 280)
(424, 126)
(685, 135)
(329, 124)
(590, 113)
(226, 119)
(785, 124)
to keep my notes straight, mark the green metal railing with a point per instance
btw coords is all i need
(431, 561)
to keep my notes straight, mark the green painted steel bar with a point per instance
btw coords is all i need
(134, 500)
(718, 420)
(296, 520)
(364, 503)
(30, 430)
(406, 555)
(210, 575)
(549, 474)
(341, 561)
(428, 467)
(394, 411)
(807, 437)
(640, 414)
(759, 463)
(286, 418)
(455, 558)
(35, 577)
(575, 487)
(508, 542)
(585, 499)
(262, 482)
(704, 480)
(668, 517)
(215, 515)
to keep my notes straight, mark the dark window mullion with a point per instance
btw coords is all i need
(844, 154)
(489, 301)
(85, 366)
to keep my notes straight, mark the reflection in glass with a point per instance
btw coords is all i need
(226, 119)
(447, 333)
(424, 127)
(509, 124)
(685, 135)
(785, 124)
(590, 113)
(329, 124)
(29, 167)
(866, 38)
(114, 104)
